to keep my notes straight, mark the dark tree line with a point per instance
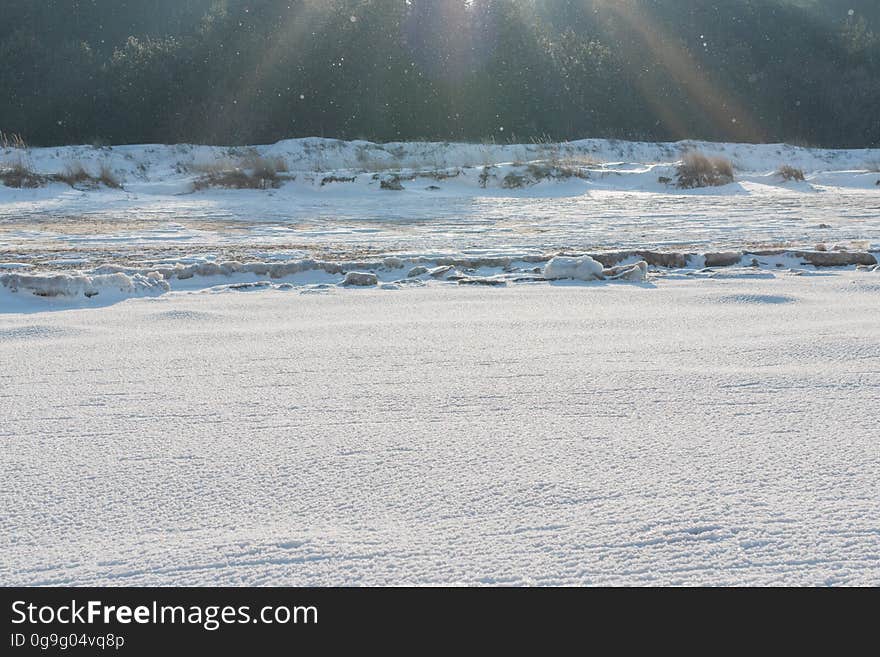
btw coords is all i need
(248, 71)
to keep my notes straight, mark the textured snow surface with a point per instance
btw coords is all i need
(693, 431)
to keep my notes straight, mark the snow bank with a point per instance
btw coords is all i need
(164, 169)
(84, 285)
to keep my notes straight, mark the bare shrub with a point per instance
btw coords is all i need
(790, 173)
(699, 170)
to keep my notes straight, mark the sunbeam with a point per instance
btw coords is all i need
(303, 20)
(727, 114)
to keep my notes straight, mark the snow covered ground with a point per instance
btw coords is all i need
(693, 431)
(456, 199)
(191, 394)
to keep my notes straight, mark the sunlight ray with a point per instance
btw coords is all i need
(726, 112)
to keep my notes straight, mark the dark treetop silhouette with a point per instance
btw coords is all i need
(246, 71)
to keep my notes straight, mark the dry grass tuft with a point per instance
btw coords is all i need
(260, 165)
(698, 170)
(555, 171)
(21, 176)
(237, 179)
(12, 140)
(76, 174)
(249, 172)
(107, 178)
(790, 173)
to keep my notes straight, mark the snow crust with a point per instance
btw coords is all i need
(700, 431)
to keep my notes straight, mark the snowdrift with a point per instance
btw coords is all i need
(85, 285)
(333, 164)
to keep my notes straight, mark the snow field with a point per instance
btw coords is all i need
(702, 430)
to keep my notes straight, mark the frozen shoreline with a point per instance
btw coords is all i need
(715, 431)
(455, 200)
(22, 290)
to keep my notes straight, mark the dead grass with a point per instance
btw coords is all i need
(236, 179)
(579, 160)
(213, 167)
(107, 178)
(21, 176)
(515, 181)
(555, 171)
(439, 174)
(563, 154)
(326, 180)
(790, 173)
(251, 171)
(699, 170)
(260, 165)
(76, 174)
(536, 172)
(12, 140)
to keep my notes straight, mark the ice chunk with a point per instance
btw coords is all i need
(361, 279)
(392, 262)
(583, 268)
(637, 272)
